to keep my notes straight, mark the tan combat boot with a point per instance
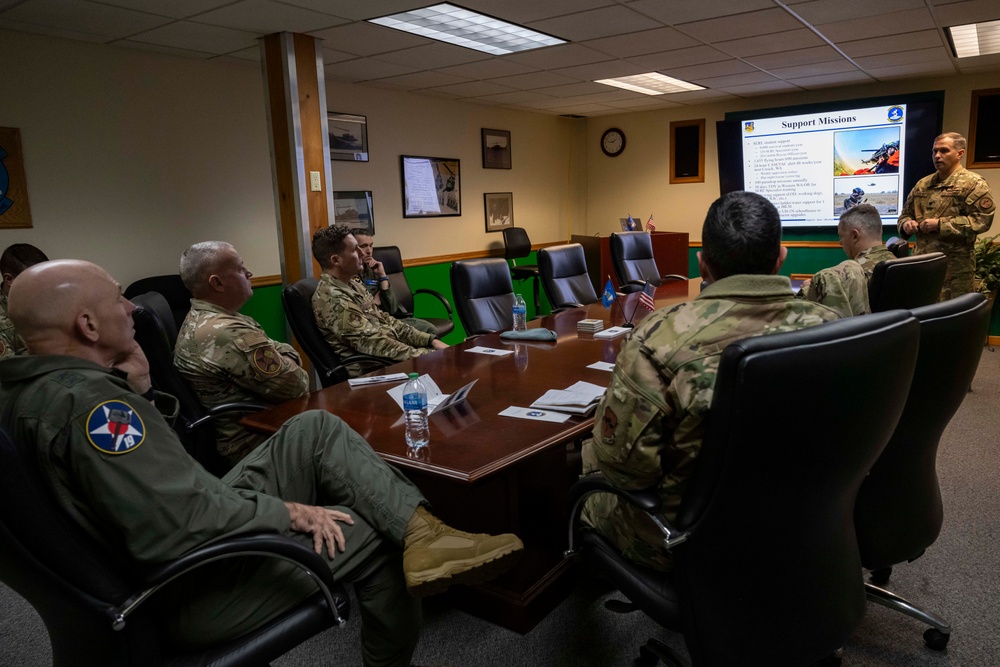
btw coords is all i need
(436, 556)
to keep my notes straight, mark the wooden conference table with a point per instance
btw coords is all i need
(483, 472)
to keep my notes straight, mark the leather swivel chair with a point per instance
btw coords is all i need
(563, 270)
(516, 245)
(899, 511)
(156, 333)
(297, 302)
(907, 282)
(172, 289)
(94, 603)
(484, 295)
(898, 247)
(765, 556)
(392, 262)
(632, 258)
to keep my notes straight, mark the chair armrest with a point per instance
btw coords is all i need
(272, 545)
(440, 297)
(632, 286)
(211, 414)
(648, 500)
(672, 276)
(366, 361)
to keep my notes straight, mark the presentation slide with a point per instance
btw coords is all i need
(813, 167)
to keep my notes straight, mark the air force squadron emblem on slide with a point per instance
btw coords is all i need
(114, 428)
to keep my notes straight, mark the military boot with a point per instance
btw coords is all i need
(436, 556)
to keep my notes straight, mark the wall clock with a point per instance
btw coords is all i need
(613, 142)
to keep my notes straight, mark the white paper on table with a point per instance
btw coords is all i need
(489, 350)
(613, 332)
(376, 379)
(537, 415)
(435, 399)
(578, 394)
(602, 366)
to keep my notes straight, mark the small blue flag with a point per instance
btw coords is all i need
(630, 224)
(608, 297)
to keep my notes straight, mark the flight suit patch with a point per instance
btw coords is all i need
(114, 427)
(985, 203)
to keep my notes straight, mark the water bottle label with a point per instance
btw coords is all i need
(414, 401)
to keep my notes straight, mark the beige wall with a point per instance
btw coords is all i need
(636, 181)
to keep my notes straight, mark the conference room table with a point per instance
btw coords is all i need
(483, 472)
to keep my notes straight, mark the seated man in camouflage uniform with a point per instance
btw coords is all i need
(347, 315)
(226, 356)
(860, 232)
(15, 259)
(649, 426)
(373, 277)
(119, 471)
(842, 287)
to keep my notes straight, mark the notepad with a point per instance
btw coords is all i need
(613, 332)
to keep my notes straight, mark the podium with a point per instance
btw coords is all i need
(670, 250)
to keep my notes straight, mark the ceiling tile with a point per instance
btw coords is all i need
(726, 82)
(815, 69)
(563, 55)
(904, 58)
(572, 90)
(605, 70)
(891, 43)
(357, 11)
(699, 96)
(8, 24)
(831, 80)
(640, 43)
(888, 24)
(525, 11)
(473, 89)
(84, 17)
(755, 46)
(334, 56)
(612, 95)
(420, 80)
(515, 97)
(545, 103)
(738, 26)
(673, 13)
(815, 54)
(488, 69)
(534, 80)
(761, 88)
(265, 17)
(181, 53)
(363, 69)
(721, 68)
(432, 56)
(580, 108)
(680, 58)
(603, 22)
(178, 9)
(252, 53)
(367, 39)
(831, 11)
(974, 11)
(645, 101)
(199, 37)
(912, 70)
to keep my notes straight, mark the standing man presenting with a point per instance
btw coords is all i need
(948, 210)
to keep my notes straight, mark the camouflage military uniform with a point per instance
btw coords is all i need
(963, 204)
(389, 304)
(352, 323)
(649, 426)
(869, 258)
(842, 287)
(10, 342)
(227, 357)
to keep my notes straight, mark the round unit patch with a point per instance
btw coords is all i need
(115, 428)
(267, 360)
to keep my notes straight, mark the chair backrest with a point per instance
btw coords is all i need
(907, 282)
(563, 270)
(484, 295)
(71, 580)
(770, 505)
(632, 257)
(515, 243)
(899, 511)
(392, 262)
(172, 289)
(898, 247)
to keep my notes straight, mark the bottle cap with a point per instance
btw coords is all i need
(413, 375)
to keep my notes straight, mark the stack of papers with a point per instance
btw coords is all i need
(589, 326)
(579, 399)
(613, 332)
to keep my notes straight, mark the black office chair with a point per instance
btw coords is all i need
(899, 511)
(484, 295)
(392, 262)
(94, 603)
(898, 247)
(907, 282)
(297, 301)
(632, 258)
(563, 270)
(156, 333)
(517, 246)
(765, 556)
(172, 289)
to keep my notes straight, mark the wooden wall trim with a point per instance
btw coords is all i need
(795, 244)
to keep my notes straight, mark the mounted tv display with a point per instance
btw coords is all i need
(815, 161)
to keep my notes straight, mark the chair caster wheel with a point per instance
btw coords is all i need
(935, 639)
(880, 577)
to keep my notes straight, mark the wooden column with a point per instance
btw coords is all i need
(295, 93)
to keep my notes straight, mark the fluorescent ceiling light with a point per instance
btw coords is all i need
(455, 25)
(652, 83)
(976, 39)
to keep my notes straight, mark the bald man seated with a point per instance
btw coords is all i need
(82, 397)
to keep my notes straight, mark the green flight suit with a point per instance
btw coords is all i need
(649, 426)
(121, 473)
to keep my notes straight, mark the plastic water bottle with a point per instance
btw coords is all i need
(520, 313)
(418, 433)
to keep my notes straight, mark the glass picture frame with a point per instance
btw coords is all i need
(432, 186)
(348, 135)
(499, 210)
(496, 149)
(353, 208)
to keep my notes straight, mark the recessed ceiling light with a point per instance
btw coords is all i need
(459, 26)
(975, 39)
(652, 83)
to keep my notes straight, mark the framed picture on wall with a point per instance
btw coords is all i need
(354, 209)
(348, 136)
(499, 207)
(14, 209)
(496, 149)
(432, 186)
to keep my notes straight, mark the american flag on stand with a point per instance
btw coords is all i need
(650, 225)
(646, 296)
